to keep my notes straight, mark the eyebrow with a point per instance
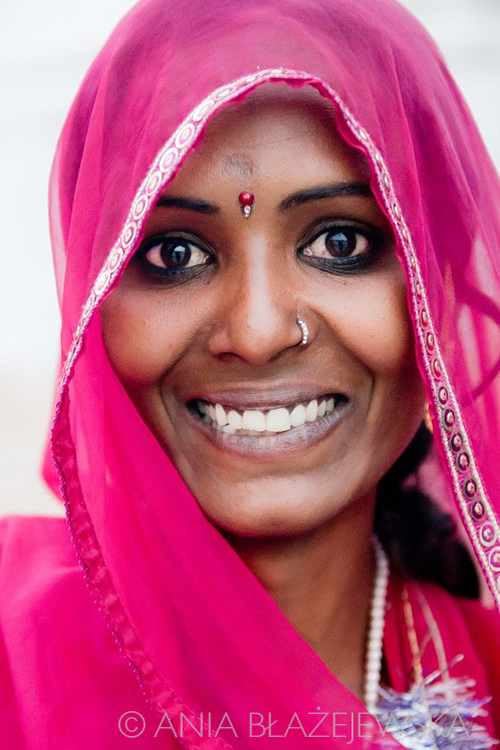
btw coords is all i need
(192, 204)
(336, 190)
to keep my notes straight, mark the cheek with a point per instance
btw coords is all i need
(142, 342)
(386, 347)
(377, 327)
(373, 324)
(389, 343)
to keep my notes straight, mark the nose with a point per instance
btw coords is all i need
(259, 304)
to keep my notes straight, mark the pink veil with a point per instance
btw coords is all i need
(197, 628)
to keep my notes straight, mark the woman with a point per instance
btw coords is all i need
(276, 241)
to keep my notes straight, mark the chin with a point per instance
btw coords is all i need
(254, 514)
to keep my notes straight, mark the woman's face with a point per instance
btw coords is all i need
(202, 329)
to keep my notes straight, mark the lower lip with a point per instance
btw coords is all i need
(269, 446)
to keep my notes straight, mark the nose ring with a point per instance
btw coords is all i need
(304, 331)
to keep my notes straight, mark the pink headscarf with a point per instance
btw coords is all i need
(198, 629)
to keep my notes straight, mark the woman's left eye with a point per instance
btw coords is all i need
(170, 255)
(342, 243)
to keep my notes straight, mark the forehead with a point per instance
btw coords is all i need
(273, 128)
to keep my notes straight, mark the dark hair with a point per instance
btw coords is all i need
(419, 537)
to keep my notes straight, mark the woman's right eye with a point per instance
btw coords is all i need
(172, 254)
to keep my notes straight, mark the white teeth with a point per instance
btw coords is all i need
(298, 415)
(220, 415)
(278, 420)
(312, 411)
(270, 421)
(235, 420)
(254, 420)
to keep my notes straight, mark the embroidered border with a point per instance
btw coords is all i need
(478, 516)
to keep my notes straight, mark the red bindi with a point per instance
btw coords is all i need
(246, 201)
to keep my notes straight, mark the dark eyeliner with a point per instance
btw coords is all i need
(349, 265)
(179, 275)
(341, 265)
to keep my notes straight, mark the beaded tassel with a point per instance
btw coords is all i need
(435, 714)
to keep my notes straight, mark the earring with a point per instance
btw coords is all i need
(304, 331)
(428, 419)
(246, 201)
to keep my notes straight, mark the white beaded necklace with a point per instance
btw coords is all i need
(373, 660)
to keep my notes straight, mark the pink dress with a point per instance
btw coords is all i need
(167, 639)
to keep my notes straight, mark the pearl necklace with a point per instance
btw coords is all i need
(373, 661)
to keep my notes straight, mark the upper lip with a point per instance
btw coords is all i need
(251, 396)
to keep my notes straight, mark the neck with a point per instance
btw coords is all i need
(322, 581)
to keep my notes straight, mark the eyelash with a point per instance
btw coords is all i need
(348, 264)
(176, 240)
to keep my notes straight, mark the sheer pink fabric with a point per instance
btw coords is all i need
(65, 684)
(198, 629)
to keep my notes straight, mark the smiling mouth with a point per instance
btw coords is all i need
(265, 422)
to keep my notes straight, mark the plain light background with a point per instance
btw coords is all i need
(45, 48)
